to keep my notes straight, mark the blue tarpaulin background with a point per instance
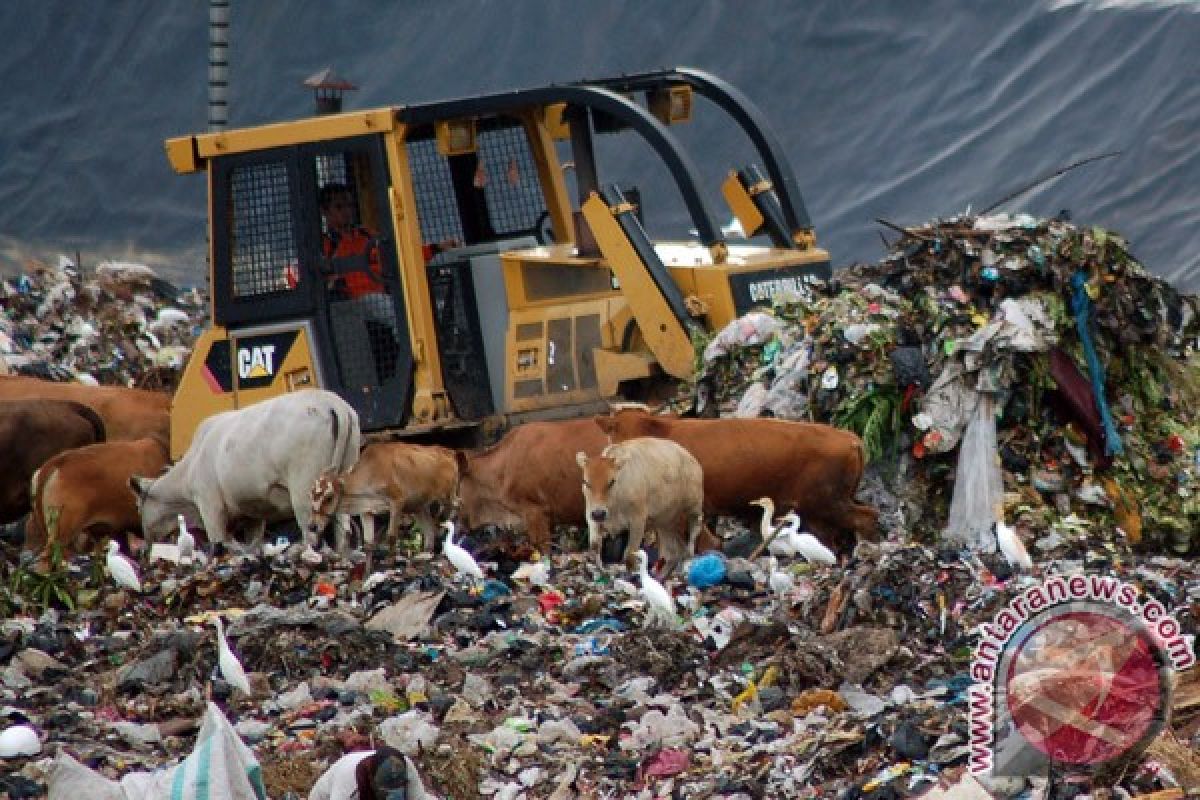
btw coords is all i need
(904, 110)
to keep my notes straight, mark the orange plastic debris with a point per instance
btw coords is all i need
(1125, 510)
(812, 699)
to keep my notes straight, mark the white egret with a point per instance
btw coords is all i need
(813, 551)
(122, 570)
(765, 528)
(779, 580)
(1013, 548)
(785, 542)
(804, 544)
(232, 671)
(660, 606)
(186, 542)
(463, 561)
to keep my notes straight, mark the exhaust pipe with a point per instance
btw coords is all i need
(218, 64)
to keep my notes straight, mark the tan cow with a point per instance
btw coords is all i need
(127, 413)
(529, 479)
(641, 485)
(391, 477)
(80, 497)
(811, 468)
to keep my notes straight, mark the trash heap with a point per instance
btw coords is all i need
(119, 325)
(995, 367)
(544, 681)
(540, 682)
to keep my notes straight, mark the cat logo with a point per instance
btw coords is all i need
(256, 362)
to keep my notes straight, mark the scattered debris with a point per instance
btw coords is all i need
(806, 679)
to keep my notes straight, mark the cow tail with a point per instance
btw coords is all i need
(861, 467)
(341, 441)
(89, 413)
(37, 514)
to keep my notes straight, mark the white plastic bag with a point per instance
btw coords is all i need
(220, 765)
(978, 484)
(757, 327)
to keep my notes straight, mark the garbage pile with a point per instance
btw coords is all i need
(541, 681)
(118, 325)
(1036, 341)
(773, 676)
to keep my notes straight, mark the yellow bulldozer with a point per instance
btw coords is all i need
(547, 297)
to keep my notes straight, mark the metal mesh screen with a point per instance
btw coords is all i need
(364, 333)
(264, 246)
(505, 173)
(434, 189)
(510, 181)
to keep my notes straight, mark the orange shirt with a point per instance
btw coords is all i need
(354, 243)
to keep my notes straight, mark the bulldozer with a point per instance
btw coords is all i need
(549, 301)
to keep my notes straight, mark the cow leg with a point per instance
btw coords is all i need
(694, 532)
(392, 535)
(67, 527)
(428, 529)
(864, 521)
(367, 520)
(255, 535)
(342, 530)
(537, 526)
(637, 530)
(215, 523)
(595, 541)
(676, 550)
(302, 512)
(672, 549)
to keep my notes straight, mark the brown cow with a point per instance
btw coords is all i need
(392, 477)
(530, 479)
(81, 496)
(811, 468)
(127, 413)
(31, 432)
(644, 484)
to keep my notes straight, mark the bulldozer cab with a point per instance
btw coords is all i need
(465, 261)
(282, 263)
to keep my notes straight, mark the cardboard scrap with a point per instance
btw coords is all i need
(407, 618)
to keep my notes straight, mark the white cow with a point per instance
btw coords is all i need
(256, 464)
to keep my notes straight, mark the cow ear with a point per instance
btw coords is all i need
(581, 459)
(607, 423)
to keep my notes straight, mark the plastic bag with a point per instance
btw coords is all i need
(754, 328)
(221, 765)
(948, 405)
(908, 365)
(978, 484)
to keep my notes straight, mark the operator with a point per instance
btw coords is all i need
(361, 304)
(361, 312)
(343, 239)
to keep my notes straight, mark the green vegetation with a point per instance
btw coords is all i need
(875, 416)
